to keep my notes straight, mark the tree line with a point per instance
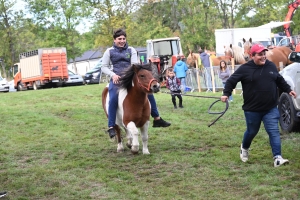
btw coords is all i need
(58, 23)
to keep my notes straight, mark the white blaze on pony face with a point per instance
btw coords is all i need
(260, 58)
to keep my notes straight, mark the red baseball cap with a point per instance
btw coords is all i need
(257, 48)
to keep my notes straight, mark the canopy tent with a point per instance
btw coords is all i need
(273, 24)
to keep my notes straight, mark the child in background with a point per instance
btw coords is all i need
(173, 84)
(224, 74)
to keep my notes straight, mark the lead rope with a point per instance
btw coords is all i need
(221, 113)
(209, 109)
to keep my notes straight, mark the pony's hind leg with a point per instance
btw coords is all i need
(120, 147)
(144, 134)
(134, 133)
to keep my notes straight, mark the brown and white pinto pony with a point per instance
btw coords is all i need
(133, 106)
(276, 55)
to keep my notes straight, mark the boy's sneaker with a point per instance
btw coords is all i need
(2, 194)
(180, 106)
(244, 154)
(160, 123)
(111, 132)
(175, 107)
(278, 161)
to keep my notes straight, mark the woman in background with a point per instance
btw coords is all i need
(224, 74)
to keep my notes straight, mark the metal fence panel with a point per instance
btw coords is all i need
(205, 77)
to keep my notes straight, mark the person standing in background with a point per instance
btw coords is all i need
(205, 60)
(180, 69)
(224, 74)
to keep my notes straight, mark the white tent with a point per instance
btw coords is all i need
(273, 24)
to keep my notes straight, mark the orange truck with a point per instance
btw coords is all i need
(41, 68)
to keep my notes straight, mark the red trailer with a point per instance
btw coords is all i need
(46, 67)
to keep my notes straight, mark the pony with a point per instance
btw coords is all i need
(192, 59)
(215, 61)
(235, 52)
(276, 55)
(134, 109)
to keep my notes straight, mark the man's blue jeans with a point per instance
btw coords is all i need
(270, 119)
(208, 78)
(113, 104)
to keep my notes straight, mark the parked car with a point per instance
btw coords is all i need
(93, 76)
(4, 86)
(289, 107)
(74, 79)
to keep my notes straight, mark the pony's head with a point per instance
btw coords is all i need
(236, 52)
(247, 47)
(141, 77)
(191, 59)
(228, 52)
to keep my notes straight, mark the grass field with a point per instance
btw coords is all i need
(53, 145)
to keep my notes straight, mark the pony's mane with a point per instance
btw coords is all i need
(236, 52)
(127, 75)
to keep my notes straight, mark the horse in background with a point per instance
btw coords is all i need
(192, 58)
(235, 52)
(276, 55)
(134, 109)
(215, 61)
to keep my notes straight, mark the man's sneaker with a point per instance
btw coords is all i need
(111, 132)
(160, 123)
(175, 107)
(244, 154)
(2, 194)
(180, 106)
(278, 160)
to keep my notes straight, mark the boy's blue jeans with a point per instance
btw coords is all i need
(113, 104)
(270, 119)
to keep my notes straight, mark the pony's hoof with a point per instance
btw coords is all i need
(135, 149)
(134, 152)
(146, 152)
(120, 150)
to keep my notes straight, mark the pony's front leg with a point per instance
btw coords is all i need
(134, 133)
(120, 147)
(129, 139)
(144, 134)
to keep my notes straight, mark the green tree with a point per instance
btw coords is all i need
(16, 34)
(59, 19)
